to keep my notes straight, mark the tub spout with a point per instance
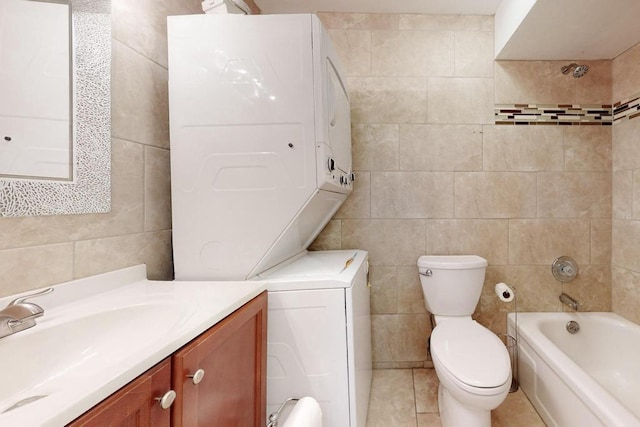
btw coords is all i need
(571, 302)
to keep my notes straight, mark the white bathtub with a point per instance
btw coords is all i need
(588, 379)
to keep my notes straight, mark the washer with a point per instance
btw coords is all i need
(319, 334)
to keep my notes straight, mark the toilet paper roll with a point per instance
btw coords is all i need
(504, 292)
(306, 413)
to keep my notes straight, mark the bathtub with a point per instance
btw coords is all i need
(588, 379)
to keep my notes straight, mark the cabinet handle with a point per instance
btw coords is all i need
(167, 399)
(197, 376)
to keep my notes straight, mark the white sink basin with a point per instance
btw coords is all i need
(72, 345)
(100, 333)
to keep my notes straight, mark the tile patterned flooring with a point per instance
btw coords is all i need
(409, 398)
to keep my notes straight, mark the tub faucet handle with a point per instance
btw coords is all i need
(567, 269)
(564, 269)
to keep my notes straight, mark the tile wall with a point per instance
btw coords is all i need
(435, 175)
(626, 191)
(38, 251)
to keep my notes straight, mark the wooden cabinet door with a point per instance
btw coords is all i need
(134, 405)
(233, 355)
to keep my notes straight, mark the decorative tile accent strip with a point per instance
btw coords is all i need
(627, 110)
(566, 114)
(553, 114)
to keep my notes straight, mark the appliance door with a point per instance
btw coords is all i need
(307, 351)
(339, 118)
(333, 116)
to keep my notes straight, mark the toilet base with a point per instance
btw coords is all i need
(455, 414)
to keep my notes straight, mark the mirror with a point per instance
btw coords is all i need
(55, 132)
(36, 77)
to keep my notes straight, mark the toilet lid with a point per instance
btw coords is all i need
(471, 353)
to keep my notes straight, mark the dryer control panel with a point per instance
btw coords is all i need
(333, 118)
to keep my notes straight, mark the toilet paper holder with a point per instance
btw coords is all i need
(273, 417)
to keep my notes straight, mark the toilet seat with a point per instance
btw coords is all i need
(471, 356)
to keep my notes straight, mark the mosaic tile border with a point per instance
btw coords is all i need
(567, 114)
(627, 110)
(553, 114)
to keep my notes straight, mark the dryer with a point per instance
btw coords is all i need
(260, 140)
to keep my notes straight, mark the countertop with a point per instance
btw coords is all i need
(109, 312)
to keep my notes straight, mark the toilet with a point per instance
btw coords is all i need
(471, 362)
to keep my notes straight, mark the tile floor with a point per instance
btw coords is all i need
(409, 398)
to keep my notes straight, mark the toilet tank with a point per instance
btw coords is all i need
(451, 284)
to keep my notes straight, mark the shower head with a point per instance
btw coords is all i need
(578, 70)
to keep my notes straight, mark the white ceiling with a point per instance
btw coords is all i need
(553, 29)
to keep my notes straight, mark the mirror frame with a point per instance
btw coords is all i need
(90, 190)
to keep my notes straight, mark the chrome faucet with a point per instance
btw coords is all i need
(19, 314)
(571, 302)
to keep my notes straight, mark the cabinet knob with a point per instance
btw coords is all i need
(167, 399)
(197, 376)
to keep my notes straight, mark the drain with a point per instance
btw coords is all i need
(573, 327)
(23, 402)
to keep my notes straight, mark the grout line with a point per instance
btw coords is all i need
(415, 397)
(139, 52)
(144, 188)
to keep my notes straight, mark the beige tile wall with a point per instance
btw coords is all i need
(626, 192)
(38, 251)
(435, 176)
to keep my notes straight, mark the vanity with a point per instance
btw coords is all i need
(118, 349)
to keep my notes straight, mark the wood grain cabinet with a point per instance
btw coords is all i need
(219, 379)
(134, 405)
(232, 356)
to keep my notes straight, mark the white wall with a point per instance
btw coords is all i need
(508, 18)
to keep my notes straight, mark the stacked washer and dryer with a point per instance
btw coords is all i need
(260, 162)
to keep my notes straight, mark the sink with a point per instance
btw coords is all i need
(100, 333)
(65, 348)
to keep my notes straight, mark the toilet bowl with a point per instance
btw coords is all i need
(471, 362)
(474, 370)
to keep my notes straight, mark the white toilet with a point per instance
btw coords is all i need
(471, 362)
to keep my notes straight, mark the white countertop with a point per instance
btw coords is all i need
(113, 327)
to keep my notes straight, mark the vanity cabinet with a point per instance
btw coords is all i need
(134, 405)
(232, 356)
(219, 379)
